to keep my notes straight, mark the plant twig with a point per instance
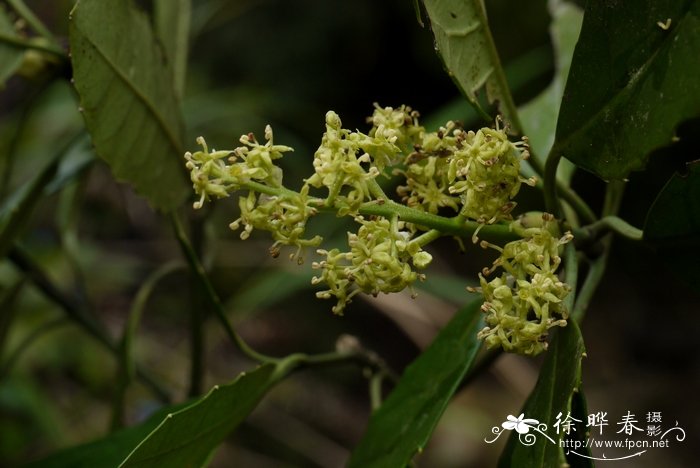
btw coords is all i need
(30, 339)
(578, 204)
(508, 103)
(200, 274)
(375, 390)
(611, 205)
(605, 225)
(571, 273)
(456, 225)
(590, 285)
(198, 314)
(126, 371)
(551, 201)
(34, 45)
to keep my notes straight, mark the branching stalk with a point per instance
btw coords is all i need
(551, 201)
(605, 225)
(611, 205)
(200, 274)
(33, 45)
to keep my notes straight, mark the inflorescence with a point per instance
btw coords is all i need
(473, 175)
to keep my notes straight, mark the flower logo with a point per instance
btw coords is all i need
(520, 424)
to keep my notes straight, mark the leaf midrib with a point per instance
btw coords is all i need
(172, 139)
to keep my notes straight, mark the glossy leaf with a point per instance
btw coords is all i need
(189, 436)
(673, 223)
(539, 116)
(633, 79)
(10, 55)
(172, 23)
(127, 98)
(402, 426)
(465, 45)
(559, 379)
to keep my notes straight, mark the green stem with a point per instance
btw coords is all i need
(596, 272)
(457, 225)
(608, 224)
(285, 365)
(576, 202)
(30, 339)
(27, 15)
(564, 190)
(499, 75)
(200, 274)
(426, 238)
(375, 390)
(36, 275)
(590, 285)
(360, 356)
(376, 190)
(571, 273)
(447, 226)
(28, 44)
(126, 371)
(551, 202)
(198, 315)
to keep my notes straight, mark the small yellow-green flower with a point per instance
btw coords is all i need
(218, 173)
(377, 262)
(527, 299)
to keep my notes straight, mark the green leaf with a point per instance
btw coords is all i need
(109, 451)
(403, 424)
(673, 223)
(465, 45)
(127, 99)
(632, 81)
(539, 116)
(172, 23)
(10, 55)
(582, 457)
(559, 379)
(189, 436)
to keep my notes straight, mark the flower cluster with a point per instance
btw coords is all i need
(216, 173)
(475, 173)
(343, 167)
(427, 182)
(378, 261)
(399, 126)
(284, 216)
(526, 300)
